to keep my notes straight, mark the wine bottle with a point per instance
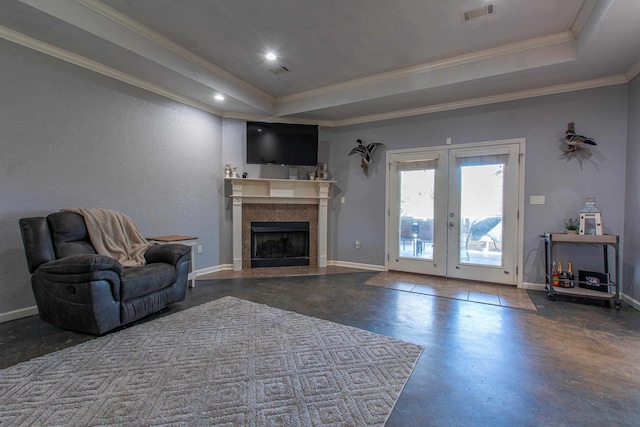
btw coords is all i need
(562, 275)
(570, 277)
(555, 278)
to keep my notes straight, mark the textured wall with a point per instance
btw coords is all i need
(71, 137)
(599, 113)
(632, 206)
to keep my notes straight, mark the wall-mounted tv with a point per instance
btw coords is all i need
(282, 144)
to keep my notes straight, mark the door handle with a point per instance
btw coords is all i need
(451, 224)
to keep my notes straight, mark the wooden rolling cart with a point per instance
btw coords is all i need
(606, 240)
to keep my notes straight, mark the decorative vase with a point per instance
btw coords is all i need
(227, 170)
(322, 171)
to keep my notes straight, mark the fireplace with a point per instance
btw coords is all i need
(279, 244)
(272, 200)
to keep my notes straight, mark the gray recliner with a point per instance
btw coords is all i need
(77, 289)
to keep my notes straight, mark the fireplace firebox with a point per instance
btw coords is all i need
(279, 244)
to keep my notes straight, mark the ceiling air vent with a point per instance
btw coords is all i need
(477, 12)
(280, 70)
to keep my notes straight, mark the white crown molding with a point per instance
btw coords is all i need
(583, 17)
(157, 38)
(279, 119)
(37, 45)
(590, 19)
(125, 33)
(81, 61)
(493, 99)
(633, 71)
(481, 55)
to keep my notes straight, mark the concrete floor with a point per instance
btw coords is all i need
(568, 363)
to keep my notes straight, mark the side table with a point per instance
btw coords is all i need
(191, 241)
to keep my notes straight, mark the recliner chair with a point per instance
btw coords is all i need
(77, 289)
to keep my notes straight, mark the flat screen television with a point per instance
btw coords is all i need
(282, 144)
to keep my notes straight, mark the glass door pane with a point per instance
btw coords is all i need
(481, 214)
(417, 195)
(454, 212)
(417, 199)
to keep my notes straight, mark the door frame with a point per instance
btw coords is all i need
(520, 213)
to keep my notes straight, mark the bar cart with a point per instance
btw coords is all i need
(606, 240)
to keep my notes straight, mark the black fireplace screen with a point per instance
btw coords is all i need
(277, 244)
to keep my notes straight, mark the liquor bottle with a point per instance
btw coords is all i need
(561, 275)
(570, 277)
(555, 277)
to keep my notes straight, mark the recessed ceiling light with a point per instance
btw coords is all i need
(219, 97)
(271, 56)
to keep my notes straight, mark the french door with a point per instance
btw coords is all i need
(454, 211)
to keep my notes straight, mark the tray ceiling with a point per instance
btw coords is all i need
(348, 61)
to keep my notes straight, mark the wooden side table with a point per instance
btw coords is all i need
(191, 241)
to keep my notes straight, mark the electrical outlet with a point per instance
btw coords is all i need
(536, 200)
(343, 200)
(199, 249)
(357, 244)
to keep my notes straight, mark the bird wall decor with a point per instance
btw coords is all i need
(365, 152)
(576, 142)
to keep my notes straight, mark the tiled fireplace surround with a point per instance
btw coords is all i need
(269, 200)
(280, 213)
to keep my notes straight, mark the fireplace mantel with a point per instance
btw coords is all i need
(282, 192)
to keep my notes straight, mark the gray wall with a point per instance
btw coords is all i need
(631, 225)
(599, 113)
(71, 137)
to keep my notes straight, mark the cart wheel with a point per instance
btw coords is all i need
(618, 305)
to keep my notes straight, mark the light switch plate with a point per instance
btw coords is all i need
(536, 200)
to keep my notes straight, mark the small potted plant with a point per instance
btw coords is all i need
(572, 225)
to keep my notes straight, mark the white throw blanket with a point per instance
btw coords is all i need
(115, 235)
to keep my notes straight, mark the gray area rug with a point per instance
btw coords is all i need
(227, 362)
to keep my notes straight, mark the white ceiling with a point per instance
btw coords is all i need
(350, 61)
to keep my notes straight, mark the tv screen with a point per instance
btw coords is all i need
(282, 144)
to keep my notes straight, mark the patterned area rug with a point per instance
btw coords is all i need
(228, 362)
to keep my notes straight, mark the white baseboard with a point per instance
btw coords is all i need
(534, 286)
(371, 267)
(214, 269)
(632, 302)
(222, 267)
(18, 314)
